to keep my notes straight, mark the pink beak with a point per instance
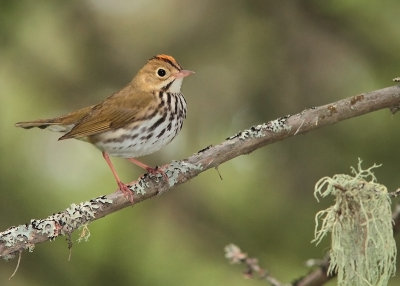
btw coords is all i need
(183, 73)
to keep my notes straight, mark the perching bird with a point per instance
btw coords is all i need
(138, 120)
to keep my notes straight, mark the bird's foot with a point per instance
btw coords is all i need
(157, 170)
(150, 170)
(127, 192)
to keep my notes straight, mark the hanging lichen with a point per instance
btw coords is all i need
(363, 250)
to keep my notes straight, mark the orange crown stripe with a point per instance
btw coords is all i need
(168, 59)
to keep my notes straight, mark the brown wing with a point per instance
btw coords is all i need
(116, 111)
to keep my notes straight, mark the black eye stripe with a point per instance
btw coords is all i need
(170, 62)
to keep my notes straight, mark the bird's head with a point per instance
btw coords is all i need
(161, 73)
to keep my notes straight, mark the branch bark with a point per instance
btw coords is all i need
(23, 237)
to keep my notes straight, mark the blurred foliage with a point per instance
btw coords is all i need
(255, 60)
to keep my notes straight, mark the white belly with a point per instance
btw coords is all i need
(142, 140)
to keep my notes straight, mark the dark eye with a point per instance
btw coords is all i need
(161, 72)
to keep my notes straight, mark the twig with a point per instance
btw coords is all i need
(395, 193)
(316, 277)
(16, 267)
(235, 256)
(25, 236)
(219, 173)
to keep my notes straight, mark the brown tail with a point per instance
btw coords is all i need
(50, 124)
(59, 124)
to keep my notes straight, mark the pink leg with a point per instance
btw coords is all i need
(148, 168)
(123, 187)
(140, 164)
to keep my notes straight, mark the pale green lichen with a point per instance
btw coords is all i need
(60, 223)
(76, 215)
(363, 250)
(30, 247)
(177, 168)
(85, 233)
(172, 172)
(15, 235)
(140, 187)
(279, 125)
(258, 131)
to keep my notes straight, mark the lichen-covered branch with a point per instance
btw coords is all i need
(22, 237)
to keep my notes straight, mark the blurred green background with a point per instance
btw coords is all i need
(254, 61)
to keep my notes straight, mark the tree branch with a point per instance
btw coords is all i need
(22, 237)
(236, 256)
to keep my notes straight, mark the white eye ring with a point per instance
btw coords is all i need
(162, 72)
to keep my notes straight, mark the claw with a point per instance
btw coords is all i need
(124, 188)
(157, 170)
(150, 170)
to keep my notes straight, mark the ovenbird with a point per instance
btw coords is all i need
(138, 120)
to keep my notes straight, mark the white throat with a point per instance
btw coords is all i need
(176, 86)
